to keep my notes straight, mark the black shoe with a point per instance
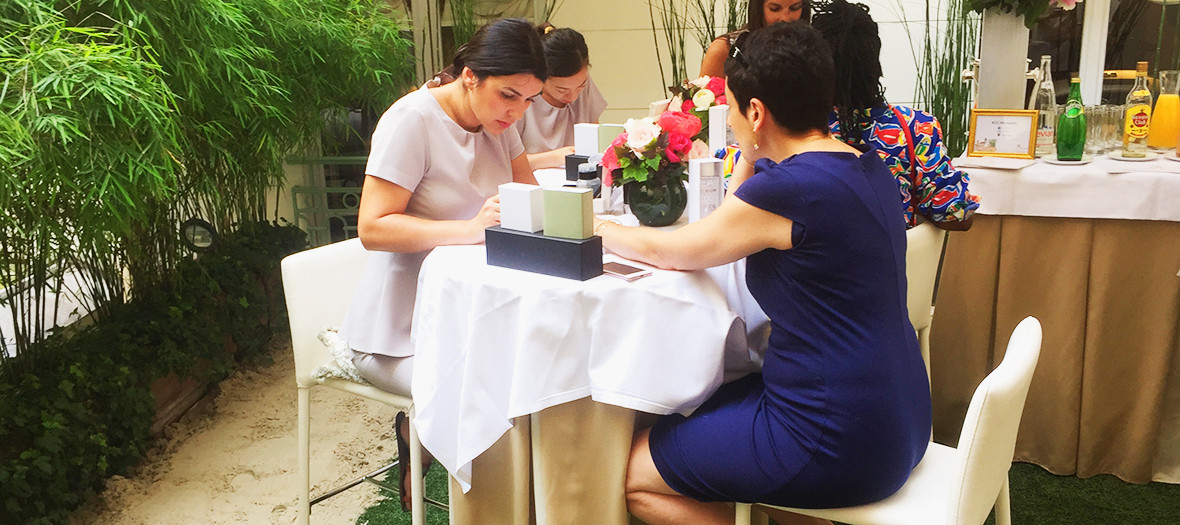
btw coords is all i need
(403, 459)
(401, 429)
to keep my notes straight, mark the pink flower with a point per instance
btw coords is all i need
(699, 150)
(610, 159)
(683, 123)
(687, 106)
(721, 100)
(678, 146)
(1066, 5)
(717, 86)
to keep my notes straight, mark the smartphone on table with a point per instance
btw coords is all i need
(624, 271)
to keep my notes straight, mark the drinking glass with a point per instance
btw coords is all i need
(1114, 127)
(1095, 131)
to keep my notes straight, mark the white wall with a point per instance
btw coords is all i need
(622, 50)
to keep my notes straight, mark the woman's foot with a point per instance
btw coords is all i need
(401, 429)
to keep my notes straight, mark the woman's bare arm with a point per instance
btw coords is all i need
(383, 225)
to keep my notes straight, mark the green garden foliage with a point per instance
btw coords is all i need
(80, 410)
(119, 119)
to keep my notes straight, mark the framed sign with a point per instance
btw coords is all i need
(1002, 133)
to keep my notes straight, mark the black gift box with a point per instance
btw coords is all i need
(533, 252)
(571, 165)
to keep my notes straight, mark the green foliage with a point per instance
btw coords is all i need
(1030, 10)
(673, 24)
(948, 46)
(735, 14)
(463, 18)
(80, 409)
(388, 510)
(119, 119)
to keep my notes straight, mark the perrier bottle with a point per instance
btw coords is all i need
(1071, 128)
(1137, 116)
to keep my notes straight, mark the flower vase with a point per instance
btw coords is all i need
(658, 201)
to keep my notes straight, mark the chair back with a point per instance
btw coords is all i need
(988, 439)
(923, 253)
(319, 284)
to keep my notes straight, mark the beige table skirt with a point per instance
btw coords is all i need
(577, 469)
(1106, 393)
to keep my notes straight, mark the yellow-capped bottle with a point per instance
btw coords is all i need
(1137, 116)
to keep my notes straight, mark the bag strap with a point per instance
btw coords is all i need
(909, 144)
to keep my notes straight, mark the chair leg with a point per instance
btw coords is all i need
(417, 481)
(304, 454)
(759, 517)
(1003, 505)
(742, 514)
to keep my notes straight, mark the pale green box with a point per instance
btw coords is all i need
(569, 213)
(607, 133)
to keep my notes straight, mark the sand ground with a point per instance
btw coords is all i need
(235, 460)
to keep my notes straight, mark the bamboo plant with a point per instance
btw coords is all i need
(951, 33)
(124, 117)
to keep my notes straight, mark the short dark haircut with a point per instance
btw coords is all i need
(507, 46)
(856, 52)
(754, 18)
(789, 68)
(565, 50)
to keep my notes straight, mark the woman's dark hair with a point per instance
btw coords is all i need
(789, 68)
(754, 18)
(565, 50)
(507, 46)
(856, 52)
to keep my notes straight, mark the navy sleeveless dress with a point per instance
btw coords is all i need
(840, 414)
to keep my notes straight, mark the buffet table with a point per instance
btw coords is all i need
(511, 364)
(1093, 251)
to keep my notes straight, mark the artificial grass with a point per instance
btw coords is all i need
(1038, 498)
(388, 511)
(1042, 498)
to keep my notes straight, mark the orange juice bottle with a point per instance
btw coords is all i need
(1165, 118)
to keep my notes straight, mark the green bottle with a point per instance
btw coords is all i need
(1071, 127)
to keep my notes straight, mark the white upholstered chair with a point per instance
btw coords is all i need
(923, 256)
(319, 284)
(959, 486)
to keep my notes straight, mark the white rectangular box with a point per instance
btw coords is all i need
(706, 187)
(586, 140)
(718, 128)
(522, 207)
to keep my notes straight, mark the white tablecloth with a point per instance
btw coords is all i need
(1103, 189)
(494, 343)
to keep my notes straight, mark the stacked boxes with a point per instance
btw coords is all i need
(566, 246)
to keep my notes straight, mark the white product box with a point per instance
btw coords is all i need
(586, 140)
(718, 128)
(706, 187)
(522, 207)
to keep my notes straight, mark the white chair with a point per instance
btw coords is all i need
(923, 255)
(959, 486)
(319, 284)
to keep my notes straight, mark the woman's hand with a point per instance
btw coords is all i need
(550, 159)
(488, 216)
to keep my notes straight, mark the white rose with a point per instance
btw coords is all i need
(700, 82)
(641, 134)
(702, 99)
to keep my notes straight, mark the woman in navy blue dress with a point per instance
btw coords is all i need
(840, 414)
